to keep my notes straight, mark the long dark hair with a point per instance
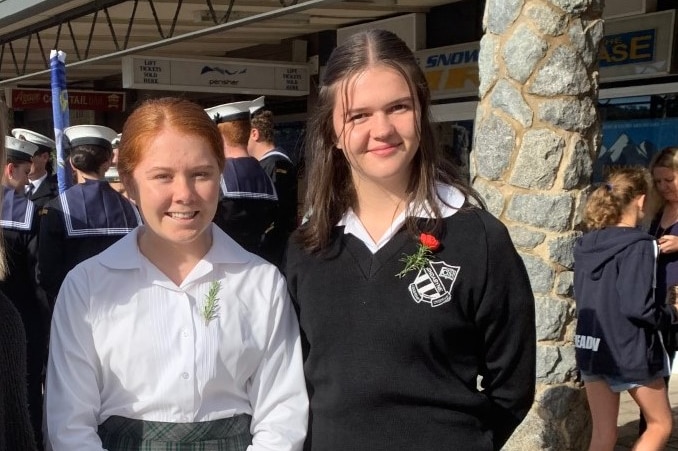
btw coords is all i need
(330, 186)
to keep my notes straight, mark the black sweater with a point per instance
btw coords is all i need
(618, 317)
(16, 432)
(388, 370)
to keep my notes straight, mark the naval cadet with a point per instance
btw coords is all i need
(280, 168)
(20, 238)
(42, 183)
(89, 216)
(248, 198)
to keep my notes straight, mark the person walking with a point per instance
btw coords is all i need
(618, 343)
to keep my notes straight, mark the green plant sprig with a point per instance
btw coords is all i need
(416, 261)
(210, 309)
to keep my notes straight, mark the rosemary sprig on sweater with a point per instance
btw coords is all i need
(210, 309)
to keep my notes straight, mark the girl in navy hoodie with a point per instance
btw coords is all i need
(617, 343)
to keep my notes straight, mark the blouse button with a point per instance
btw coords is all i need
(184, 375)
(184, 333)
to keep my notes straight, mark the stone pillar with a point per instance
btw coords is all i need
(536, 136)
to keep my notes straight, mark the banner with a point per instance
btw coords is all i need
(36, 98)
(57, 64)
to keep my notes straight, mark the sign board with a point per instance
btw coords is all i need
(32, 99)
(451, 71)
(217, 75)
(638, 47)
(633, 48)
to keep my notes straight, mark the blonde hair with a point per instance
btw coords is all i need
(666, 158)
(609, 200)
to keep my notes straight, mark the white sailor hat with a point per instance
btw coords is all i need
(257, 104)
(44, 143)
(94, 135)
(116, 141)
(18, 149)
(235, 111)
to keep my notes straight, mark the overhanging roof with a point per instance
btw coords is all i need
(97, 34)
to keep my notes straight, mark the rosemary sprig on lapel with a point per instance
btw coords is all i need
(210, 309)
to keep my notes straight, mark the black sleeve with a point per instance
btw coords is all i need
(506, 318)
(52, 240)
(17, 430)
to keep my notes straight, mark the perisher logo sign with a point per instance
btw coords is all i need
(216, 75)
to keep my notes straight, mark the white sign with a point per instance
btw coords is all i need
(218, 75)
(638, 47)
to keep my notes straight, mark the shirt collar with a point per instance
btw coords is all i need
(125, 254)
(36, 183)
(449, 199)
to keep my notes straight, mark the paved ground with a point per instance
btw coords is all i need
(628, 419)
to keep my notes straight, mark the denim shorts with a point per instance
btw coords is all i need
(617, 385)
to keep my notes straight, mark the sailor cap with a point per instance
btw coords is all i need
(93, 135)
(18, 149)
(116, 141)
(43, 142)
(235, 111)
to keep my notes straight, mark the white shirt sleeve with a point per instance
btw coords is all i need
(280, 408)
(72, 399)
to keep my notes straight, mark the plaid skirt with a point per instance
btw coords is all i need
(228, 434)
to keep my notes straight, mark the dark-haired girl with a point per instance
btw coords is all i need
(415, 308)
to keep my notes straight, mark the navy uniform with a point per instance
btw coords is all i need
(283, 173)
(47, 187)
(83, 220)
(248, 198)
(20, 235)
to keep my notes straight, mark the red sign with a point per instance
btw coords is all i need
(31, 99)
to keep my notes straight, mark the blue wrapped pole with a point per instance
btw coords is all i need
(57, 64)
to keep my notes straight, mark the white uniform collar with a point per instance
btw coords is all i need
(125, 253)
(449, 200)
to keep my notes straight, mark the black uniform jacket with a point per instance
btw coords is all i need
(48, 190)
(283, 172)
(83, 221)
(20, 235)
(248, 201)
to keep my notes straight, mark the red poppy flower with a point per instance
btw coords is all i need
(429, 241)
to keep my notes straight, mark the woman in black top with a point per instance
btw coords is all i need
(416, 311)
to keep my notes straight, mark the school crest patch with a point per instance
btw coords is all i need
(434, 283)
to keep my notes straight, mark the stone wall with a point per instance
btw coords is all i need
(537, 134)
